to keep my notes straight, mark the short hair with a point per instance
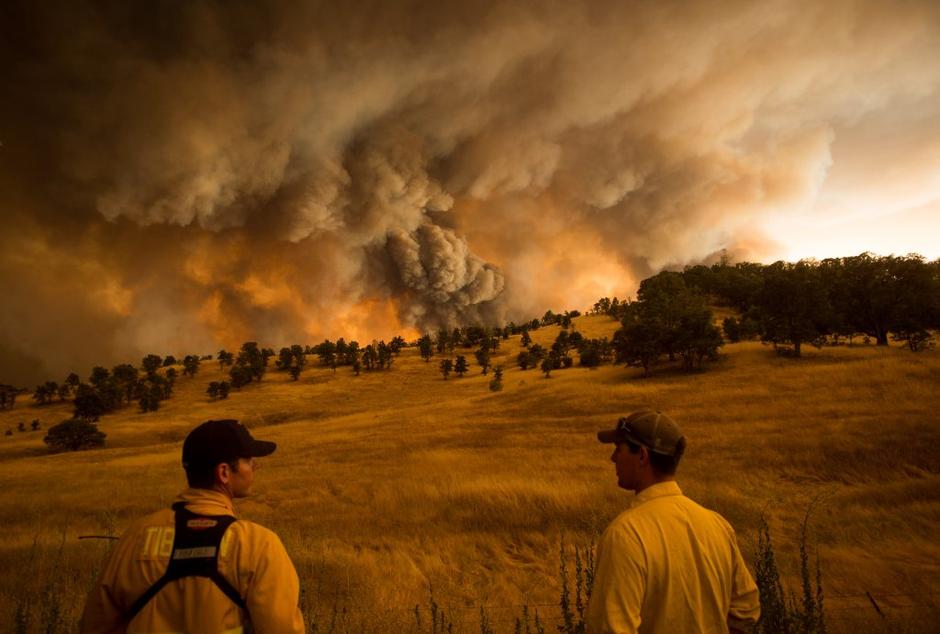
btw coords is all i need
(662, 464)
(203, 476)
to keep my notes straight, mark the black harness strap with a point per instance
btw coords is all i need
(196, 544)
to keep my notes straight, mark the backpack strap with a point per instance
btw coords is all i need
(196, 543)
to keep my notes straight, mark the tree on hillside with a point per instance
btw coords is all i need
(45, 392)
(526, 340)
(72, 381)
(496, 383)
(351, 353)
(252, 359)
(169, 360)
(88, 403)
(669, 318)
(191, 365)
(240, 376)
(226, 359)
(384, 355)
(664, 298)
(327, 351)
(218, 389)
(426, 347)
(593, 352)
(737, 286)
(300, 359)
(794, 307)
(483, 358)
(442, 341)
(637, 343)
(369, 358)
(492, 343)
(537, 352)
(460, 365)
(99, 377)
(732, 329)
(166, 384)
(524, 360)
(151, 391)
(548, 364)
(8, 395)
(698, 338)
(151, 363)
(266, 354)
(213, 390)
(74, 435)
(601, 306)
(124, 378)
(284, 359)
(872, 292)
(446, 366)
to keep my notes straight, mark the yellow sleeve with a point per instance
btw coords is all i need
(274, 590)
(102, 615)
(745, 598)
(619, 584)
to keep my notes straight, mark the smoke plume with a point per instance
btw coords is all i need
(179, 177)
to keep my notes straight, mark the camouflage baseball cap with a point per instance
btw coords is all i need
(654, 430)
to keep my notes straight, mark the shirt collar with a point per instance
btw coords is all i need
(207, 501)
(658, 490)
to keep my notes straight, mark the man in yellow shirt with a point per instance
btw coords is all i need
(666, 564)
(195, 568)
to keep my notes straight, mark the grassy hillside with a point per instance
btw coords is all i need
(391, 482)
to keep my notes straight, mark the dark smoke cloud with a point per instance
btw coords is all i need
(181, 176)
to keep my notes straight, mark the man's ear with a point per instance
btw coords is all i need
(223, 473)
(644, 455)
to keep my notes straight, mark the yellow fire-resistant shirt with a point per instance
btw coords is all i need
(668, 565)
(251, 558)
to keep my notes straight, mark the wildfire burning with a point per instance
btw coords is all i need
(285, 173)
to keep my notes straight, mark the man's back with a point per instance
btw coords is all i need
(675, 560)
(251, 558)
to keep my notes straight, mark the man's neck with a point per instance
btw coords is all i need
(218, 487)
(652, 480)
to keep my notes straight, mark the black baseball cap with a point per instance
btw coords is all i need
(218, 441)
(654, 430)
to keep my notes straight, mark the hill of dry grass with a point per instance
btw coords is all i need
(391, 482)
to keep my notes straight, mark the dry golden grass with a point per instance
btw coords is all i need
(391, 482)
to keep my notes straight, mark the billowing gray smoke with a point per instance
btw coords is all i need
(185, 176)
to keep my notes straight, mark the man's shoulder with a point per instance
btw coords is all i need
(254, 529)
(659, 509)
(705, 513)
(254, 535)
(161, 517)
(625, 525)
(244, 529)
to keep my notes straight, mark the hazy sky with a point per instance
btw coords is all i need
(180, 176)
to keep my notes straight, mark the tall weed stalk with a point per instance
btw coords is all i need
(782, 613)
(573, 619)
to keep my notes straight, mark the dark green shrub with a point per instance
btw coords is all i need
(496, 383)
(73, 435)
(732, 329)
